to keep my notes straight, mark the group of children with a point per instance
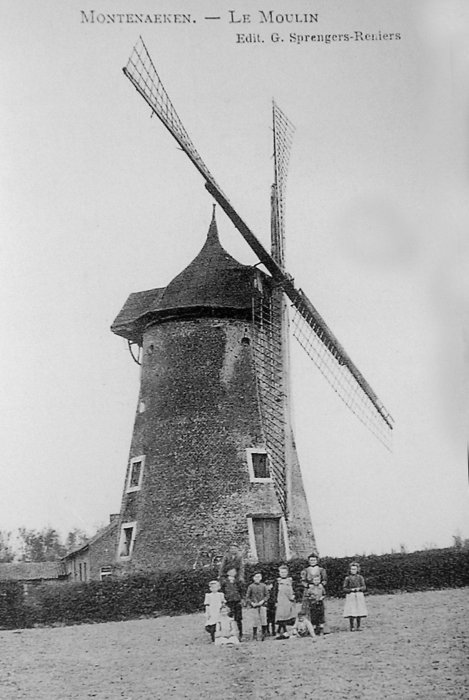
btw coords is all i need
(270, 607)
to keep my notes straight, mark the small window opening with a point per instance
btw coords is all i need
(126, 540)
(260, 466)
(135, 473)
(105, 572)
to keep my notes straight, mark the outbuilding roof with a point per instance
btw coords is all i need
(31, 571)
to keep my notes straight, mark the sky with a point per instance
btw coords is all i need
(98, 202)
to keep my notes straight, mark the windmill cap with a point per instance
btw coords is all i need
(213, 279)
(213, 282)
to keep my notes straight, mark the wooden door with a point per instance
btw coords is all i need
(267, 536)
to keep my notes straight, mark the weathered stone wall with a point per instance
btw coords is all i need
(73, 565)
(197, 413)
(102, 551)
(300, 529)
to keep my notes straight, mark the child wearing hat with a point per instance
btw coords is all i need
(213, 603)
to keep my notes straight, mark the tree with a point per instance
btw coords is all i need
(41, 545)
(7, 552)
(47, 544)
(75, 539)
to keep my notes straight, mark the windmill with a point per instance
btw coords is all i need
(251, 308)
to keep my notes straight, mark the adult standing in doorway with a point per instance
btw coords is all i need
(232, 559)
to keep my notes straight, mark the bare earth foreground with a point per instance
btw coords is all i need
(413, 645)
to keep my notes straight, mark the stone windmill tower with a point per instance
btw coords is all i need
(200, 474)
(212, 457)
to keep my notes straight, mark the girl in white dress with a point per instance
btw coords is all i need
(354, 586)
(226, 629)
(213, 602)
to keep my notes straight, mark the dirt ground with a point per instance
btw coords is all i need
(413, 645)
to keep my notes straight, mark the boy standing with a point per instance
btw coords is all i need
(314, 598)
(233, 591)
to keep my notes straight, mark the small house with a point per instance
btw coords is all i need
(94, 560)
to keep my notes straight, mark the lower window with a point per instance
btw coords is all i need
(127, 539)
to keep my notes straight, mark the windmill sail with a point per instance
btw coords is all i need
(283, 131)
(309, 327)
(142, 74)
(270, 330)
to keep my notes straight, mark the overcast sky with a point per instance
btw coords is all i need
(98, 202)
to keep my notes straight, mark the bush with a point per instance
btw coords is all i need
(179, 592)
(12, 611)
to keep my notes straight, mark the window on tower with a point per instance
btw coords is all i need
(258, 464)
(127, 539)
(134, 479)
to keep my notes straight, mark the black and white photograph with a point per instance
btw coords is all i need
(235, 350)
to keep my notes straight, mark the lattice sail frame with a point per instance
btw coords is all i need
(313, 341)
(143, 75)
(283, 131)
(267, 355)
(271, 327)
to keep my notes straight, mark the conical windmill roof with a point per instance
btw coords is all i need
(213, 282)
(213, 279)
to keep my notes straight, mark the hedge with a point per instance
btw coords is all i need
(150, 594)
(12, 608)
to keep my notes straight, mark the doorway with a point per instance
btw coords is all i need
(267, 538)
